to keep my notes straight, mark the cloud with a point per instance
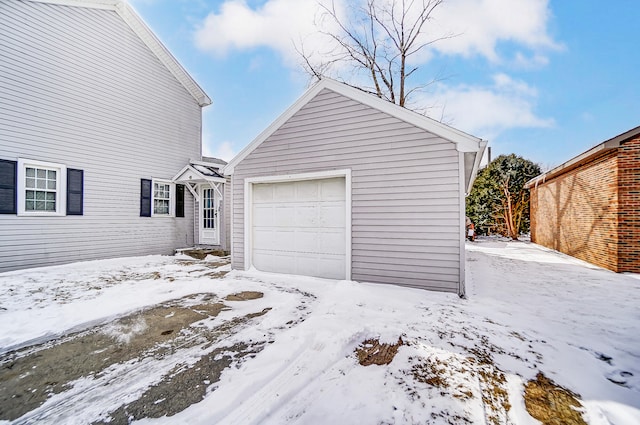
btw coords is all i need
(487, 111)
(223, 150)
(480, 25)
(277, 24)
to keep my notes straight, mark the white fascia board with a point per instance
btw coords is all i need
(180, 173)
(200, 177)
(142, 30)
(92, 4)
(476, 165)
(463, 141)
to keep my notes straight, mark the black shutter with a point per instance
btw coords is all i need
(145, 198)
(75, 192)
(8, 186)
(179, 200)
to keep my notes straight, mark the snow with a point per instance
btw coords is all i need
(528, 310)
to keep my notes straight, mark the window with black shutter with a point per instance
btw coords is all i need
(8, 186)
(179, 200)
(145, 198)
(75, 191)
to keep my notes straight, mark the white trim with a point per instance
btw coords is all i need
(91, 4)
(231, 227)
(476, 165)
(462, 234)
(463, 141)
(61, 188)
(142, 30)
(216, 203)
(207, 164)
(248, 196)
(172, 198)
(201, 177)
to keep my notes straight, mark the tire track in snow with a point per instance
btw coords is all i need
(305, 367)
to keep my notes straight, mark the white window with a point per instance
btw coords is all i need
(41, 188)
(163, 198)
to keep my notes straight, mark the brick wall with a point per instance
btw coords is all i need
(629, 198)
(576, 212)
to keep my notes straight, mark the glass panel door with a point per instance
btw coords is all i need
(209, 229)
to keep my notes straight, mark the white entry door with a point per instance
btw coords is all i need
(209, 216)
(299, 227)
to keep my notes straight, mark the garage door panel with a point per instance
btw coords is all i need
(266, 239)
(284, 215)
(284, 192)
(331, 214)
(332, 242)
(307, 190)
(306, 216)
(264, 216)
(305, 241)
(262, 193)
(332, 189)
(270, 262)
(333, 267)
(299, 227)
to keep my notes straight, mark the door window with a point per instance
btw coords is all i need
(208, 209)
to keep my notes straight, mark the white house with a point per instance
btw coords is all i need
(100, 138)
(345, 185)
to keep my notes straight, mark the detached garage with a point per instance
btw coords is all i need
(345, 185)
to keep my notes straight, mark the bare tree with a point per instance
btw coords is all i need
(378, 38)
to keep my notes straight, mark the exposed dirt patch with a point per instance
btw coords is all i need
(463, 378)
(30, 376)
(182, 387)
(372, 352)
(216, 275)
(552, 404)
(201, 253)
(244, 296)
(495, 397)
(432, 372)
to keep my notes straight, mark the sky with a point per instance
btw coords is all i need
(544, 79)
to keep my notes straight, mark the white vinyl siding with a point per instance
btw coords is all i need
(78, 87)
(405, 188)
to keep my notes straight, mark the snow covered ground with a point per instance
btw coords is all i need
(528, 310)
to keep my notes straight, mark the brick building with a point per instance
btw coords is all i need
(589, 207)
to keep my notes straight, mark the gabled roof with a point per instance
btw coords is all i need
(585, 157)
(464, 142)
(131, 18)
(199, 172)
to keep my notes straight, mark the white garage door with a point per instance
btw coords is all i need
(299, 227)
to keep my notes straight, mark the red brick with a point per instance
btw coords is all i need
(593, 211)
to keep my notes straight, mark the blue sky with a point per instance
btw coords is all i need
(543, 79)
